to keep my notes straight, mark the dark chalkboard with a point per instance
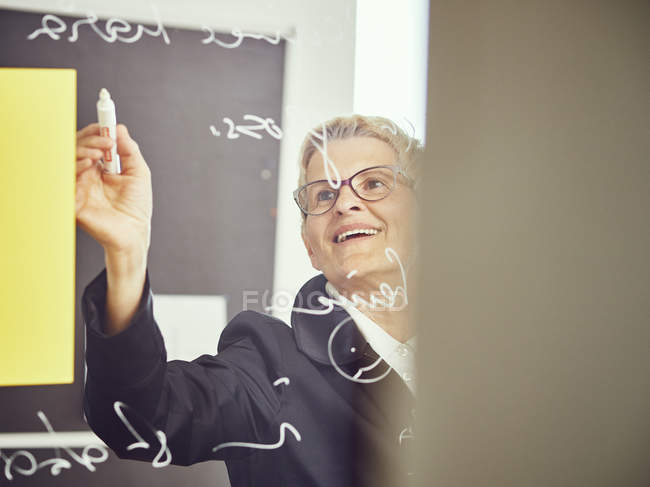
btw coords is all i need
(214, 184)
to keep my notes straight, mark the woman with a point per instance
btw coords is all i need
(308, 405)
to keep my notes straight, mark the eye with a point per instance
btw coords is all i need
(372, 184)
(325, 195)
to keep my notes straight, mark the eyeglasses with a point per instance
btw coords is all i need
(370, 184)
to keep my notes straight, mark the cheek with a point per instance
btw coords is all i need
(314, 232)
(401, 220)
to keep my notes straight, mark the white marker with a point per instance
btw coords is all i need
(107, 122)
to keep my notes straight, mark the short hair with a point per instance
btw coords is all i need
(408, 149)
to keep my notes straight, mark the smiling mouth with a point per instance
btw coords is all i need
(351, 234)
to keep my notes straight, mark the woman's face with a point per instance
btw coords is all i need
(391, 217)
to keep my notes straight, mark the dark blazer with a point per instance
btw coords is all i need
(313, 427)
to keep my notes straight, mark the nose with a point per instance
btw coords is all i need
(347, 201)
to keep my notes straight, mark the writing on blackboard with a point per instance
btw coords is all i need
(115, 29)
(256, 129)
(239, 38)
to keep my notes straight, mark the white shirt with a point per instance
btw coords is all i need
(399, 356)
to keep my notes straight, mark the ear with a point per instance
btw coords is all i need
(310, 251)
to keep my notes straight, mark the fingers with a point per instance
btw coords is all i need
(92, 129)
(84, 152)
(91, 145)
(83, 164)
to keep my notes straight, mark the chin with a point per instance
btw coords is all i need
(359, 266)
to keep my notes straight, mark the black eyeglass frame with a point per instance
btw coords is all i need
(347, 182)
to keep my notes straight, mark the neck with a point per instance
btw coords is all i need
(396, 323)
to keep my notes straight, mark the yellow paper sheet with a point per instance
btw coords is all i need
(37, 225)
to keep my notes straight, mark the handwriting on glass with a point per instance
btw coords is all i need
(240, 36)
(406, 434)
(86, 458)
(120, 30)
(281, 380)
(262, 446)
(376, 302)
(116, 29)
(319, 140)
(119, 408)
(388, 301)
(55, 464)
(367, 368)
(357, 376)
(255, 129)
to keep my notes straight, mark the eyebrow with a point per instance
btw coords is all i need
(319, 181)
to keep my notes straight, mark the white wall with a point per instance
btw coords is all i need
(390, 74)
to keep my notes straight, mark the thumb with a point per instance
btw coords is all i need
(129, 151)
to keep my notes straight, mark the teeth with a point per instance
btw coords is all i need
(343, 237)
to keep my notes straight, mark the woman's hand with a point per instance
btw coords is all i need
(114, 209)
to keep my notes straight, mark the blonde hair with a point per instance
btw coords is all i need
(408, 149)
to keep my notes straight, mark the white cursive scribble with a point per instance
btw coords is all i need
(386, 290)
(390, 296)
(325, 301)
(116, 29)
(406, 434)
(259, 124)
(56, 464)
(262, 446)
(239, 37)
(281, 380)
(140, 442)
(88, 460)
(367, 368)
(355, 377)
(375, 302)
(328, 164)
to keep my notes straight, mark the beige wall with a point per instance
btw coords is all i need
(535, 330)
